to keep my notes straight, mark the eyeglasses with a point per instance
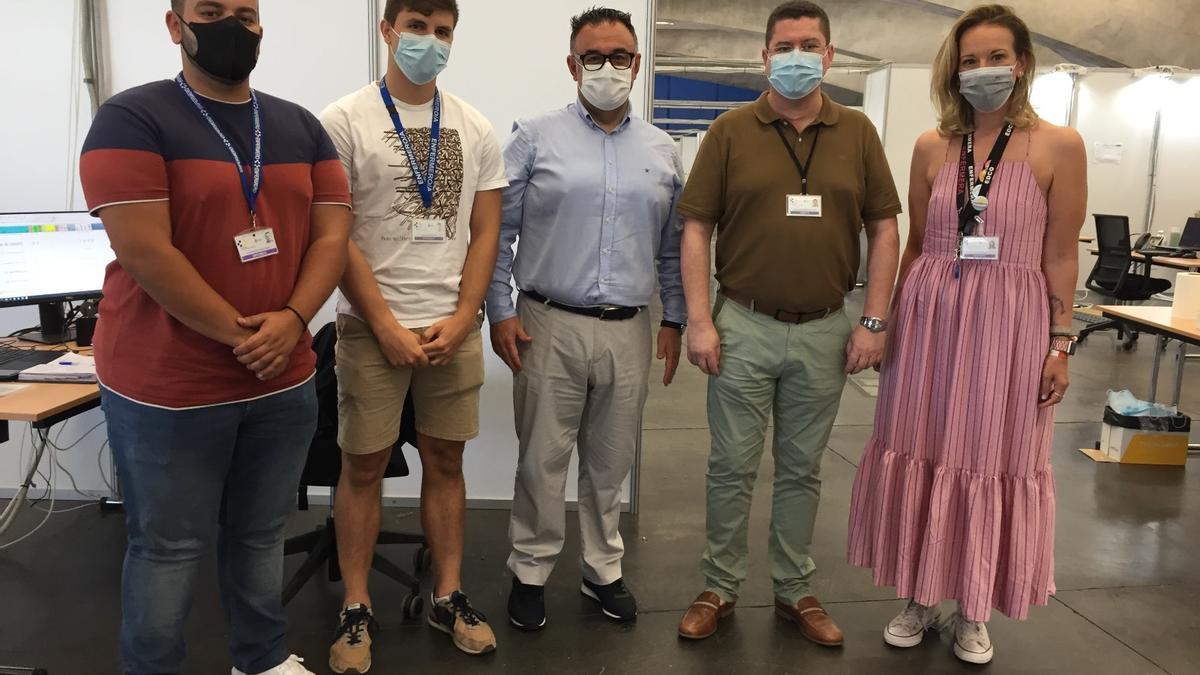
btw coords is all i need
(595, 61)
(787, 47)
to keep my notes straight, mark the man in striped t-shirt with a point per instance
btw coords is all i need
(228, 211)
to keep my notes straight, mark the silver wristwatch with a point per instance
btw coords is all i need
(873, 324)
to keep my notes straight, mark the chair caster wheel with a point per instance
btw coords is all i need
(412, 606)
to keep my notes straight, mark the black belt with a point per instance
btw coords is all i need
(602, 312)
(778, 314)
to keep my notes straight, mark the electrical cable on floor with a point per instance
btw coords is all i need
(71, 477)
(112, 490)
(54, 444)
(42, 442)
(58, 511)
(10, 511)
(87, 433)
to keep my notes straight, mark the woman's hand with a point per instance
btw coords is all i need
(1054, 381)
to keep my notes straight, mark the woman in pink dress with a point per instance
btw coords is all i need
(954, 497)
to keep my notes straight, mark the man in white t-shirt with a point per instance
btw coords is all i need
(422, 251)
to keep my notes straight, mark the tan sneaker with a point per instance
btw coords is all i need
(466, 625)
(351, 651)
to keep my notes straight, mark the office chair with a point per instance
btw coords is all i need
(1114, 276)
(323, 469)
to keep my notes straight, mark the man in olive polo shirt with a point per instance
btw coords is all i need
(788, 182)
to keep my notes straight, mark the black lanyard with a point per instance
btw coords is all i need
(972, 196)
(802, 168)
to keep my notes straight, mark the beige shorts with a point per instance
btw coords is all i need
(371, 392)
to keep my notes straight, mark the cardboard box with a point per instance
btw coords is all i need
(1145, 440)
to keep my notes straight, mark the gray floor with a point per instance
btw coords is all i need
(1128, 539)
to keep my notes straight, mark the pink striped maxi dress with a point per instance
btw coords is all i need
(954, 497)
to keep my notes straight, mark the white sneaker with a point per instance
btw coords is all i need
(290, 667)
(971, 641)
(909, 626)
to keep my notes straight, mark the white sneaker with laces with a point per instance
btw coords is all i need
(293, 666)
(971, 641)
(909, 626)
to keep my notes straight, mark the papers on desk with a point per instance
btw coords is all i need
(67, 368)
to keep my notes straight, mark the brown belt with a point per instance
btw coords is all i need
(778, 314)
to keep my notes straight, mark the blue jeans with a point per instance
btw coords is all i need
(228, 472)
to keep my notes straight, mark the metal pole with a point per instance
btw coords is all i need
(1152, 195)
(1073, 100)
(635, 473)
(1160, 344)
(651, 17)
(1179, 373)
(89, 38)
(373, 17)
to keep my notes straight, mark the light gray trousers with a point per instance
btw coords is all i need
(583, 384)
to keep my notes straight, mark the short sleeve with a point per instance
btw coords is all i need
(882, 199)
(122, 160)
(336, 122)
(704, 194)
(330, 184)
(491, 160)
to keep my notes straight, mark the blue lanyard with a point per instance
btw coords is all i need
(424, 178)
(250, 186)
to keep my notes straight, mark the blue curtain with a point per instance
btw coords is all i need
(676, 88)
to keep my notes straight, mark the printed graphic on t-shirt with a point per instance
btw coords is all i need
(447, 191)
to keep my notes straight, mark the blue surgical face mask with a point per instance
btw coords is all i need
(797, 73)
(421, 57)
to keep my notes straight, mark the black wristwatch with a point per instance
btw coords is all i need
(672, 324)
(873, 324)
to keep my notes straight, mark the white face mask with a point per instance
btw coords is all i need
(607, 88)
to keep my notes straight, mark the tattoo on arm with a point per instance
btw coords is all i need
(1057, 306)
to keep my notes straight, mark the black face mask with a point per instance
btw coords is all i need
(225, 49)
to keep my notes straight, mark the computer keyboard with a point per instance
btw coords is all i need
(10, 354)
(1167, 252)
(14, 354)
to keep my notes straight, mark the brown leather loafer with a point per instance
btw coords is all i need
(700, 620)
(814, 622)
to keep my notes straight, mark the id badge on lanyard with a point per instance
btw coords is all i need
(980, 248)
(427, 230)
(973, 199)
(256, 242)
(802, 205)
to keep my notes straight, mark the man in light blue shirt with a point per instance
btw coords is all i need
(591, 196)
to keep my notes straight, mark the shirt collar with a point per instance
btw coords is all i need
(829, 115)
(582, 111)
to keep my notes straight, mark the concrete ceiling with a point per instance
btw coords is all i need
(1099, 33)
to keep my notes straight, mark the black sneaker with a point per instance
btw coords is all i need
(527, 605)
(615, 600)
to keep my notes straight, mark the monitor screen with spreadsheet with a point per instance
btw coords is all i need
(51, 257)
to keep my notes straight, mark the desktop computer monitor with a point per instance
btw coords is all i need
(50, 258)
(1191, 235)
